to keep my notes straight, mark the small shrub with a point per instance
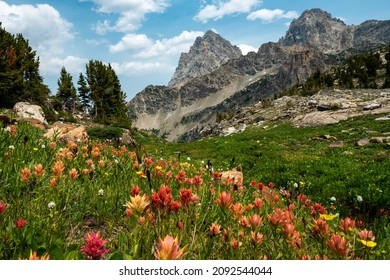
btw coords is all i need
(109, 132)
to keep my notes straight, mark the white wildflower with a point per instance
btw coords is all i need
(101, 192)
(333, 199)
(359, 198)
(295, 185)
(11, 147)
(51, 205)
(43, 146)
(188, 159)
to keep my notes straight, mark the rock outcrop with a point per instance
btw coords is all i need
(30, 113)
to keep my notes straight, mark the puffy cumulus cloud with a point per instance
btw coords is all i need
(170, 47)
(245, 49)
(223, 8)
(267, 15)
(41, 24)
(51, 65)
(131, 13)
(131, 42)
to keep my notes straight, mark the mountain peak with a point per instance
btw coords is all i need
(205, 55)
(317, 29)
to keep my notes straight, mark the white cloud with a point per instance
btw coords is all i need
(131, 42)
(73, 64)
(131, 13)
(138, 68)
(267, 15)
(171, 46)
(245, 49)
(223, 8)
(41, 24)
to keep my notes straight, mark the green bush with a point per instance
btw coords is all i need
(109, 132)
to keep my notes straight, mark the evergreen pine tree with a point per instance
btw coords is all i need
(83, 94)
(66, 92)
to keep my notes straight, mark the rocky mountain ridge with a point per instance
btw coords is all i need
(314, 41)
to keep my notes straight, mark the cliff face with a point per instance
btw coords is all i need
(205, 56)
(215, 77)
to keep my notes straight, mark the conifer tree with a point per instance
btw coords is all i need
(66, 92)
(20, 79)
(83, 94)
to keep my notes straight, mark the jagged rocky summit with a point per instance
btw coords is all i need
(214, 77)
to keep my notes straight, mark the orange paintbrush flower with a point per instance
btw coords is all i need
(39, 171)
(338, 245)
(25, 174)
(224, 200)
(73, 173)
(168, 249)
(58, 168)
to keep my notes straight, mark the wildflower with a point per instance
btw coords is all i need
(295, 185)
(25, 174)
(175, 206)
(34, 257)
(215, 229)
(302, 198)
(11, 147)
(95, 152)
(366, 235)
(288, 231)
(237, 209)
(320, 227)
(180, 177)
(53, 182)
(256, 238)
(85, 171)
(180, 225)
(346, 224)
(128, 212)
(168, 249)
(13, 129)
(141, 220)
(194, 198)
(35, 149)
(185, 196)
(244, 222)
(73, 173)
(20, 223)
(100, 192)
(163, 198)
(271, 185)
(333, 199)
(188, 159)
(2, 207)
(135, 191)
(224, 200)
(51, 205)
(43, 146)
(138, 203)
(39, 171)
(52, 145)
(58, 168)
(370, 244)
(255, 221)
(94, 246)
(359, 198)
(258, 203)
(338, 245)
(236, 244)
(327, 217)
(197, 181)
(276, 197)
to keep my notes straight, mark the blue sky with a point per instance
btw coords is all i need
(143, 39)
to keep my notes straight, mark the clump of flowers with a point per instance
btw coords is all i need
(94, 246)
(169, 249)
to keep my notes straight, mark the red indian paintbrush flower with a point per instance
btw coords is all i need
(168, 249)
(346, 224)
(185, 196)
(94, 246)
(2, 207)
(224, 200)
(20, 223)
(338, 245)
